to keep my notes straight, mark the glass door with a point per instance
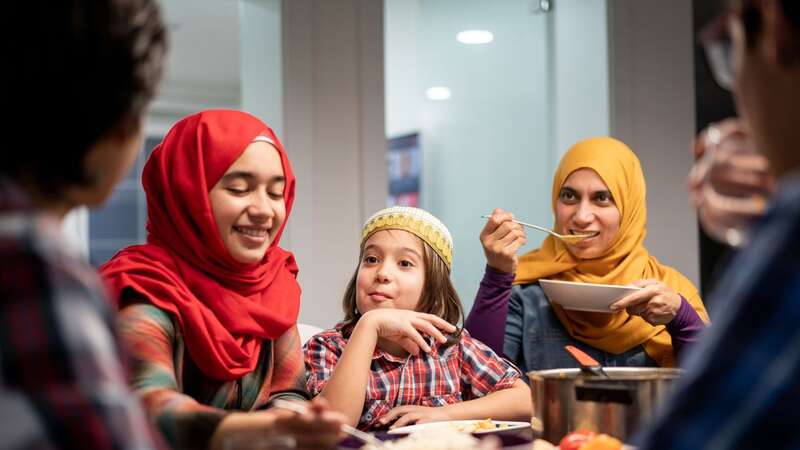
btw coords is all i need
(470, 79)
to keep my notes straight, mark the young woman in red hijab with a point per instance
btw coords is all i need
(208, 306)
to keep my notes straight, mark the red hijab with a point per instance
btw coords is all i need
(224, 308)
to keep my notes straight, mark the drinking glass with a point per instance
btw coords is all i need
(730, 183)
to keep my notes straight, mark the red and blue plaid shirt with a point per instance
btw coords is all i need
(449, 374)
(61, 381)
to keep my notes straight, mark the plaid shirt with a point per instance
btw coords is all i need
(452, 374)
(61, 381)
(742, 386)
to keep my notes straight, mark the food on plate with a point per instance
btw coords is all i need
(478, 425)
(589, 440)
(463, 426)
(436, 439)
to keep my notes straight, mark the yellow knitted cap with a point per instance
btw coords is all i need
(416, 221)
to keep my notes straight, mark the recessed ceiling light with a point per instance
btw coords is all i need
(438, 93)
(475, 37)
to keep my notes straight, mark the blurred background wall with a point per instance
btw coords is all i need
(347, 85)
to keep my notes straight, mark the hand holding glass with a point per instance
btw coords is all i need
(730, 183)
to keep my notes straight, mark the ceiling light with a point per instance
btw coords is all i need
(475, 37)
(438, 93)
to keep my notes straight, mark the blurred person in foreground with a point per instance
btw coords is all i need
(78, 78)
(742, 384)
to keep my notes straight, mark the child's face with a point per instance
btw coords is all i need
(247, 202)
(391, 273)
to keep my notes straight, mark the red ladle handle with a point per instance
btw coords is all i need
(583, 359)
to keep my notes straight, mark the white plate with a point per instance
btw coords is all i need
(584, 296)
(501, 426)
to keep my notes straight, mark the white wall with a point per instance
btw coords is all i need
(652, 104)
(261, 56)
(404, 94)
(334, 134)
(76, 229)
(203, 63)
(579, 72)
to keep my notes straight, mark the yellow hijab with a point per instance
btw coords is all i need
(625, 261)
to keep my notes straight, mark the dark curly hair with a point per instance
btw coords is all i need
(75, 71)
(439, 296)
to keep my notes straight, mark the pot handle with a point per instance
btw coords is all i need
(603, 393)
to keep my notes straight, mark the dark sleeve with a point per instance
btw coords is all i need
(61, 360)
(741, 387)
(685, 328)
(487, 319)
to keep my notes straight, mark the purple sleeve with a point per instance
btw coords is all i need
(685, 327)
(487, 319)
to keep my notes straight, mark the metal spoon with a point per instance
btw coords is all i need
(303, 409)
(566, 238)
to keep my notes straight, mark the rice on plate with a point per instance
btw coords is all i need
(440, 439)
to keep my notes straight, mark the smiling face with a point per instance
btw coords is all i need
(248, 202)
(585, 205)
(391, 273)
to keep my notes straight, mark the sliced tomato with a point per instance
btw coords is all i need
(574, 440)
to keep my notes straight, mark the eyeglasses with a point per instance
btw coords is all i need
(716, 40)
(718, 49)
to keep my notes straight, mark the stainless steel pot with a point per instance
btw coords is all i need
(566, 400)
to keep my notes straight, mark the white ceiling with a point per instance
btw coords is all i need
(204, 37)
(202, 68)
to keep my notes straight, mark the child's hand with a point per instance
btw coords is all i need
(405, 327)
(501, 238)
(410, 414)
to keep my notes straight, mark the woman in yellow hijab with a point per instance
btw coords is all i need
(598, 189)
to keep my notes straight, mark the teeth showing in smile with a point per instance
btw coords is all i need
(253, 232)
(588, 234)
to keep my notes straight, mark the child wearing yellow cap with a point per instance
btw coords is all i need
(399, 357)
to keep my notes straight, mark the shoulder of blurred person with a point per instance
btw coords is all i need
(80, 74)
(57, 343)
(754, 343)
(741, 388)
